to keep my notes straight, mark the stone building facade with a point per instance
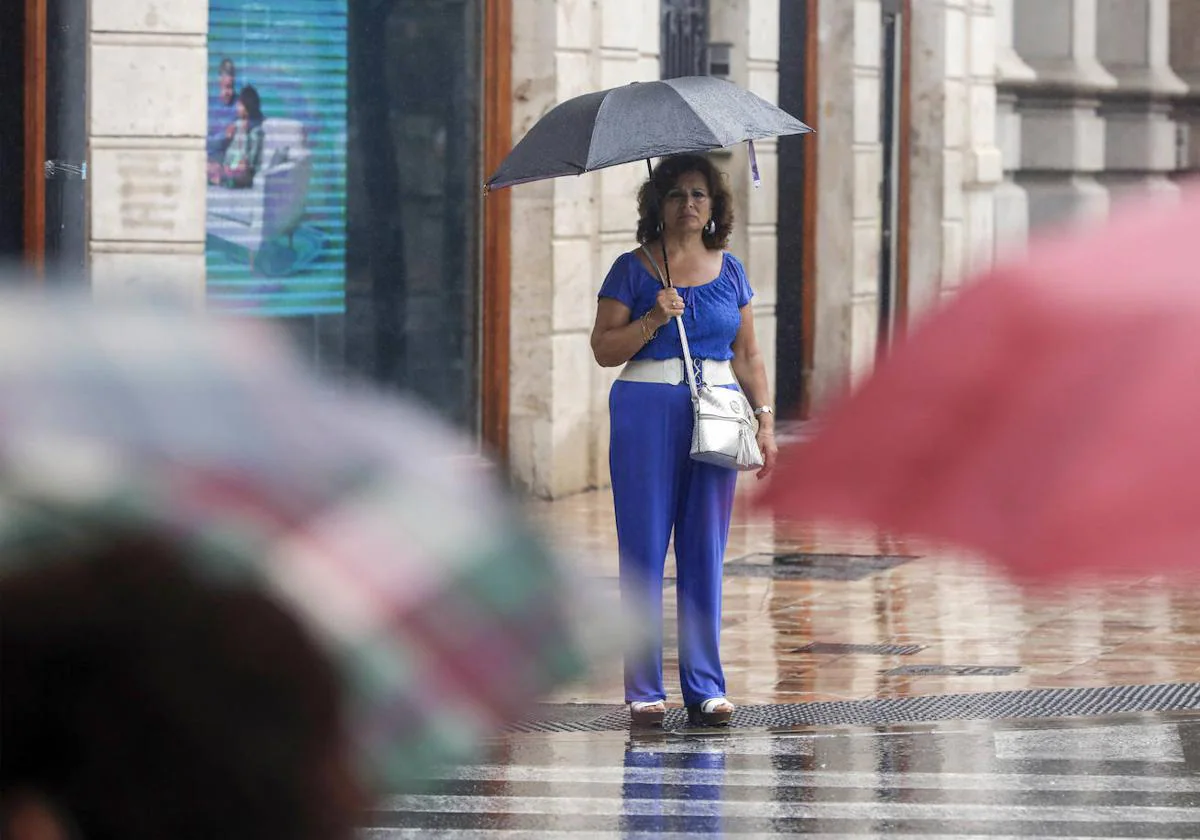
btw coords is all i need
(951, 127)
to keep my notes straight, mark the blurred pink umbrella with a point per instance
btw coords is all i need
(1048, 417)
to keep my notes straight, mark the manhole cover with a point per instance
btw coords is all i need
(843, 567)
(839, 649)
(993, 705)
(953, 671)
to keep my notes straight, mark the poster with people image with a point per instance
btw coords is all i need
(276, 148)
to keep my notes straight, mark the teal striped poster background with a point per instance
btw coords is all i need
(294, 52)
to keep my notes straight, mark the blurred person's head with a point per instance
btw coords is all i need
(227, 80)
(140, 703)
(249, 106)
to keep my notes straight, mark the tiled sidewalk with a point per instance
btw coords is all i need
(963, 614)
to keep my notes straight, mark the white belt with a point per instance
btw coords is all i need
(671, 372)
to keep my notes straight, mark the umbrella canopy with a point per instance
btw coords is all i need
(380, 531)
(640, 121)
(1046, 417)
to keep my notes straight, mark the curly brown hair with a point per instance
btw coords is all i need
(663, 179)
(145, 704)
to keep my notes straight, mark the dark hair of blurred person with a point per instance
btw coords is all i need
(138, 703)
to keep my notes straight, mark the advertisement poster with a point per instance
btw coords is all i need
(276, 220)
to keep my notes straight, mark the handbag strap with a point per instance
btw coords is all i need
(683, 340)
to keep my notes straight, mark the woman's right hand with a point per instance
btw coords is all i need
(667, 306)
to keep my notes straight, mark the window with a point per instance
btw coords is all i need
(684, 38)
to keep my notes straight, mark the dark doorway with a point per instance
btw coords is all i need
(412, 318)
(12, 135)
(796, 221)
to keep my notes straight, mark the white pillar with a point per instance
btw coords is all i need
(848, 180)
(752, 27)
(1134, 44)
(1062, 133)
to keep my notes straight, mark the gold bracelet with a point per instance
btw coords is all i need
(647, 334)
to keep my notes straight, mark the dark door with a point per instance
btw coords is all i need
(413, 285)
(12, 136)
(796, 221)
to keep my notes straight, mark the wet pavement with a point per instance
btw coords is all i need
(861, 632)
(1129, 776)
(963, 627)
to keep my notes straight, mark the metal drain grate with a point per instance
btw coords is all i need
(953, 671)
(996, 705)
(841, 567)
(839, 649)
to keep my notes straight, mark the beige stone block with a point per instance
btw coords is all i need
(575, 205)
(980, 229)
(982, 99)
(174, 16)
(649, 28)
(576, 23)
(576, 279)
(952, 185)
(618, 197)
(957, 44)
(984, 166)
(147, 91)
(953, 251)
(763, 41)
(868, 33)
(984, 42)
(762, 205)
(867, 239)
(764, 82)
(1073, 199)
(571, 422)
(154, 195)
(158, 276)
(762, 267)
(1065, 138)
(866, 106)
(765, 329)
(864, 336)
(868, 171)
(1012, 219)
(620, 26)
(619, 69)
(957, 114)
(573, 75)
(647, 67)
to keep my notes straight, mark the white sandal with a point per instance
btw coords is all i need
(715, 711)
(647, 712)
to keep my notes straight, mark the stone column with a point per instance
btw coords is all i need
(956, 164)
(849, 155)
(1012, 76)
(1134, 43)
(1185, 58)
(147, 118)
(1062, 133)
(752, 27)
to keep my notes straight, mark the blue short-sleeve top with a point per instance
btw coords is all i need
(712, 311)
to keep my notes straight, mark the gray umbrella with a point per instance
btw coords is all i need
(640, 121)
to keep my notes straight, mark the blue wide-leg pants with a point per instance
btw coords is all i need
(658, 488)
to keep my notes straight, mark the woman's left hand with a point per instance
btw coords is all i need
(766, 443)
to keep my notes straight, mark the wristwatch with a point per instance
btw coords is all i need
(763, 409)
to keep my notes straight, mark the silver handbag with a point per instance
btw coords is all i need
(725, 430)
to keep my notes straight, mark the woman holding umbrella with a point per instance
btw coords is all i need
(685, 216)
